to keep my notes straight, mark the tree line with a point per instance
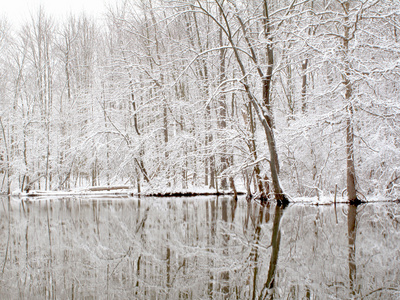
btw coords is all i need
(276, 97)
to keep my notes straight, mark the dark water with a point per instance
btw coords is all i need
(197, 248)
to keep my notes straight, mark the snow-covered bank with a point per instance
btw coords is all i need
(328, 200)
(118, 192)
(121, 191)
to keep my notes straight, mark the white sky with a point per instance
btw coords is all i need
(19, 11)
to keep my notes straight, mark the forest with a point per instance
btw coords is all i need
(278, 98)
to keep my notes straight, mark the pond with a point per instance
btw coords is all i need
(197, 248)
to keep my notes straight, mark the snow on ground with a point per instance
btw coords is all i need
(126, 192)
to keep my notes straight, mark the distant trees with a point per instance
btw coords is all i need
(352, 67)
(4, 115)
(34, 99)
(276, 97)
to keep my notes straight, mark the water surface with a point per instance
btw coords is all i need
(197, 248)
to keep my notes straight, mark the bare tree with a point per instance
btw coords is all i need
(263, 106)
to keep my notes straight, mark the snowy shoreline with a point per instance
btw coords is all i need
(126, 192)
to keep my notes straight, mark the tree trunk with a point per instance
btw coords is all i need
(350, 169)
(267, 113)
(222, 111)
(253, 149)
(304, 67)
(263, 109)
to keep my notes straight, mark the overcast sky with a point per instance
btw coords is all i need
(18, 11)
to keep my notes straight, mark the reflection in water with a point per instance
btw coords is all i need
(267, 290)
(352, 232)
(200, 248)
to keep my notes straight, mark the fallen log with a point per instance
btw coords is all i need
(108, 188)
(192, 194)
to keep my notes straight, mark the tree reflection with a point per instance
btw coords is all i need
(7, 211)
(352, 232)
(195, 249)
(260, 218)
(268, 288)
(225, 252)
(257, 234)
